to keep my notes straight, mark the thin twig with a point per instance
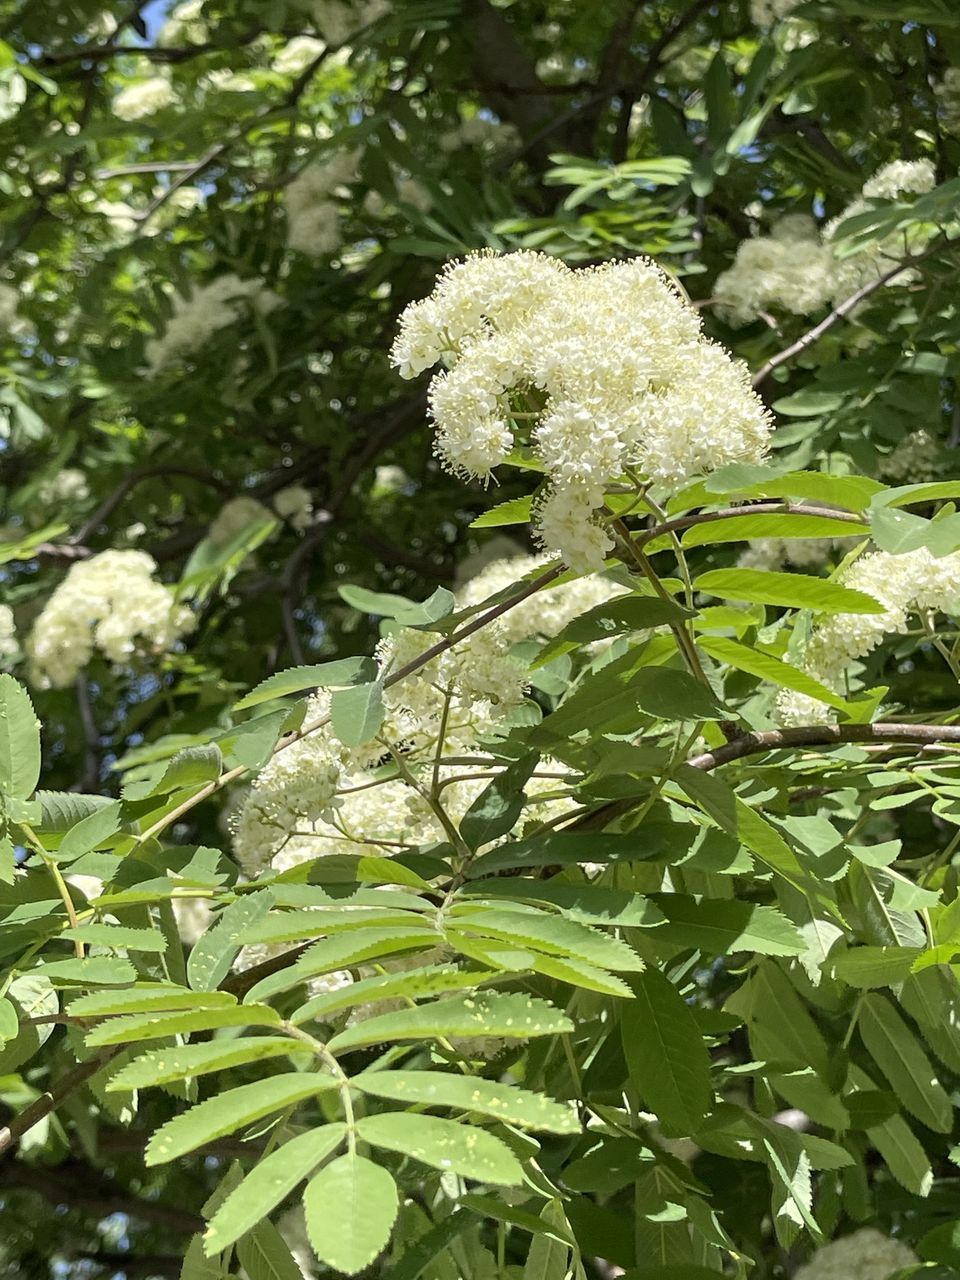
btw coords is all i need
(842, 310)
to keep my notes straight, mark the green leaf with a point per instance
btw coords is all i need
(482, 1014)
(350, 1207)
(378, 603)
(897, 1053)
(515, 511)
(62, 810)
(19, 741)
(498, 807)
(191, 767)
(853, 493)
(721, 927)
(148, 997)
(590, 904)
(357, 713)
(612, 618)
(504, 1102)
(764, 665)
(212, 955)
(866, 967)
(785, 525)
(675, 695)
(413, 984)
(562, 849)
(549, 933)
(790, 590)
(418, 1256)
(666, 1057)
(229, 1111)
(734, 816)
(270, 1182)
(26, 548)
(444, 1144)
(116, 935)
(325, 675)
(93, 830)
(264, 1255)
(577, 973)
(9, 1021)
(91, 971)
(340, 952)
(156, 1026)
(185, 1062)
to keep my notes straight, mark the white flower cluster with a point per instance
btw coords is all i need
(796, 271)
(767, 12)
(294, 504)
(789, 270)
(210, 307)
(144, 98)
(9, 648)
(10, 321)
(609, 366)
(69, 485)
(915, 459)
(948, 100)
(480, 133)
(315, 798)
(109, 603)
(866, 1254)
(235, 517)
(338, 20)
(184, 25)
(313, 219)
(408, 191)
(796, 553)
(899, 178)
(297, 54)
(904, 584)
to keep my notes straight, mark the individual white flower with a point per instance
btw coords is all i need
(144, 98)
(69, 485)
(209, 307)
(866, 1254)
(906, 584)
(295, 505)
(297, 54)
(235, 517)
(108, 603)
(9, 647)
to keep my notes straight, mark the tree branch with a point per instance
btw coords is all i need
(49, 1101)
(842, 310)
(825, 735)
